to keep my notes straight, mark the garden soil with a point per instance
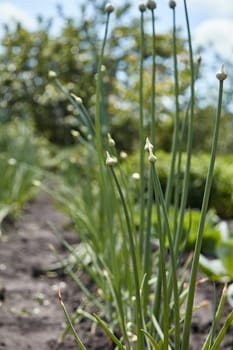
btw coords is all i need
(30, 313)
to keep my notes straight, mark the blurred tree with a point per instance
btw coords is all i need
(26, 59)
(203, 129)
(27, 56)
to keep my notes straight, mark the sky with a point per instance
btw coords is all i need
(211, 20)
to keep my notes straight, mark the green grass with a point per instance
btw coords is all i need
(21, 158)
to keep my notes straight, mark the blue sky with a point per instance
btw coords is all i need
(211, 20)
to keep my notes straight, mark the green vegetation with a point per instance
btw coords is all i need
(133, 237)
(27, 56)
(221, 200)
(136, 214)
(21, 158)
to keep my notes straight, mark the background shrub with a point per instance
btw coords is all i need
(221, 199)
(22, 157)
(27, 56)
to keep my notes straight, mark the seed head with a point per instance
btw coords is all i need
(110, 160)
(221, 74)
(151, 5)
(109, 8)
(142, 7)
(172, 4)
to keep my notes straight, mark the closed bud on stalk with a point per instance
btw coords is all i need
(123, 155)
(52, 74)
(109, 8)
(111, 141)
(36, 183)
(199, 58)
(75, 133)
(103, 68)
(110, 160)
(136, 176)
(151, 5)
(221, 74)
(12, 161)
(142, 7)
(148, 145)
(152, 158)
(77, 99)
(172, 4)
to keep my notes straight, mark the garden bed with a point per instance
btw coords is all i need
(31, 317)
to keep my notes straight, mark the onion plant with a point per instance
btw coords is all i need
(22, 157)
(142, 289)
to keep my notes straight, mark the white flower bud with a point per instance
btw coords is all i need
(109, 8)
(75, 133)
(151, 5)
(77, 99)
(199, 58)
(136, 176)
(142, 7)
(36, 183)
(172, 4)
(52, 74)
(111, 141)
(123, 155)
(103, 68)
(148, 145)
(221, 74)
(110, 160)
(12, 161)
(152, 158)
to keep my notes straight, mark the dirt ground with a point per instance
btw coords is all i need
(30, 314)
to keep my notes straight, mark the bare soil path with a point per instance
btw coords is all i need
(30, 314)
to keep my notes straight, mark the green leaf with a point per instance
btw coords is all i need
(69, 321)
(153, 343)
(214, 269)
(223, 331)
(109, 332)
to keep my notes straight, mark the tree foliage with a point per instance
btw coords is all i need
(27, 56)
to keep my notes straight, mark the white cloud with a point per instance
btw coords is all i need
(212, 8)
(218, 33)
(11, 13)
